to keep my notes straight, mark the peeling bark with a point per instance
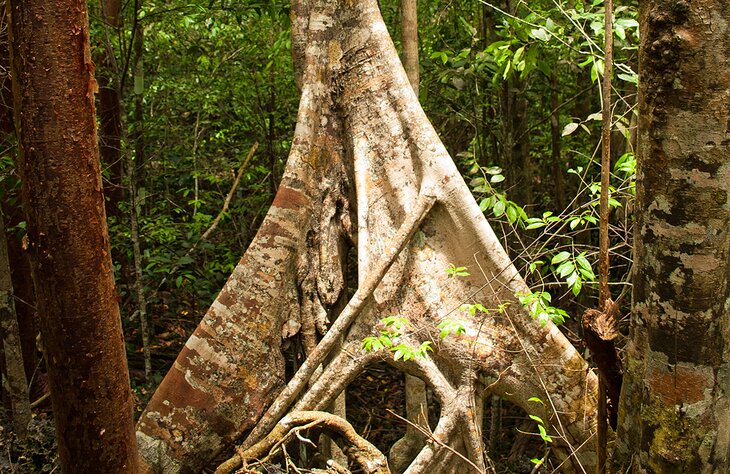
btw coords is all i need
(675, 407)
(366, 166)
(54, 87)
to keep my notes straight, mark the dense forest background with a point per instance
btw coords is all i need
(209, 105)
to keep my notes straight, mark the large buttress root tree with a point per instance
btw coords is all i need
(366, 169)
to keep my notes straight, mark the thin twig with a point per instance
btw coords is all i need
(218, 218)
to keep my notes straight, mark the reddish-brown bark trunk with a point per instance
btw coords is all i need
(68, 243)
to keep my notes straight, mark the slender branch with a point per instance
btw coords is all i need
(603, 257)
(605, 162)
(218, 218)
(227, 202)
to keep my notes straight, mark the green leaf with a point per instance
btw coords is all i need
(561, 257)
(497, 178)
(536, 400)
(499, 208)
(540, 33)
(627, 22)
(565, 269)
(632, 78)
(577, 285)
(583, 262)
(543, 434)
(587, 274)
(511, 213)
(484, 204)
(537, 419)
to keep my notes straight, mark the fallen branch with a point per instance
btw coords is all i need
(359, 451)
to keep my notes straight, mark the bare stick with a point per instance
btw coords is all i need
(367, 456)
(223, 210)
(603, 259)
(227, 202)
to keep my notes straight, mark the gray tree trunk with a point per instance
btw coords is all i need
(365, 168)
(675, 408)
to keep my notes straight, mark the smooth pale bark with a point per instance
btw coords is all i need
(675, 408)
(364, 158)
(68, 243)
(406, 449)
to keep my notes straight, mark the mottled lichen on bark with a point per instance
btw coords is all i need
(680, 329)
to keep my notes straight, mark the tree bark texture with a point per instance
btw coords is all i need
(366, 168)
(675, 406)
(15, 382)
(409, 41)
(54, 87)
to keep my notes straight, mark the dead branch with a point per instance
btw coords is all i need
(359, 450)
(227, 202)
(223, 210)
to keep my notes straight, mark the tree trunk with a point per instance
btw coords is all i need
(134, 166)
(365, 167)
(409, 41)
(19, 265)
(110, 110)
(67, 237)
(16, 383)
(675, 409)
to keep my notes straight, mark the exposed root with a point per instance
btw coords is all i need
(349, 314)
(358, 449)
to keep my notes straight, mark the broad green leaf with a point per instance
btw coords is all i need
(540, 33)
(561, 257)
(498, 208)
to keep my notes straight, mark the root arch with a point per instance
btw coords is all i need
(366, 167)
